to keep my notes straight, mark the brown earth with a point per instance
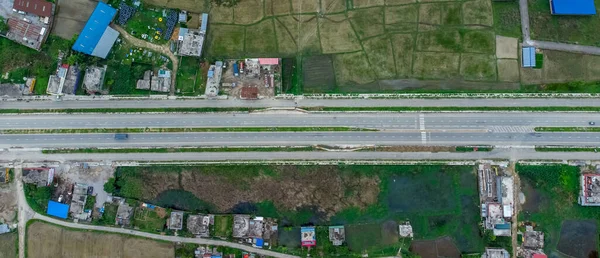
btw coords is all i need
(288, 187)
(45, 240)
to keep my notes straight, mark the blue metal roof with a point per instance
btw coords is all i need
(57, 209)
(259, 242)
(528, 57)
(94, 29)
(204, 22)
(572, 7)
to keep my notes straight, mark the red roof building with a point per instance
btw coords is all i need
(38, 7)
(268, 61)
(538, 255)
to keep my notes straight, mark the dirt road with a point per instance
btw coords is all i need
(164, 49)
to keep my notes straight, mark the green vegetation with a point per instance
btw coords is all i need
(90, 203)
(433, 109)
(148, 220)
(565, 149)
(3, 25)
(545, 26)
(38, 197)
(172, 150)
(552, 192)
(567, 129)
(223, 226)
(185, 129)
(149, 21)
(109, 215)
(507, 19)
(473, 148)
(189, 76)
(539, 60)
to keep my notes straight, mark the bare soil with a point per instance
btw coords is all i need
(8, 203)
(45, 240)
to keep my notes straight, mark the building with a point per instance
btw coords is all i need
(93, 81)
(337, 235)
(405, 230)
(308, 236)
(590, 190)
(78, 202)
(97, 38)
(39, 176)
(192, 41)
(57, 209)
(528, 57)
(495, 253)
(65, 80)
(161, 82)
(213, 80)
(40, 8)
(257, 231)
(533, 240)
(4, 228)
(268, 61)
(124, 213)
(572, 7)
(4, 175)
(496, 195)
(176, 220)
(199, 225)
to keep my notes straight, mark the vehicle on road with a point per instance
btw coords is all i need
(121, 136)
(592, 123)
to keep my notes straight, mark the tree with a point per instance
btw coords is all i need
(3, 25)
(109, 187)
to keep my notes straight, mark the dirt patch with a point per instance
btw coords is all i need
(508, 70)
(442, 247)
(507, 47)
(71, 17)
(318, 74)
(8, 247)
(290, 189)
(414, 148)
(195, 6)
(337, 35)
(45, 240)
(8, 203)
(578, 238)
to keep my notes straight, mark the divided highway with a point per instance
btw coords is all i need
(506, 129)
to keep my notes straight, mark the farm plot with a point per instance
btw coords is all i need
(429, 65)
(478, 12)
(261, 40)
(277, 7)
(297, 33)
(196, 6)
(478, 67)
(401, 18)
(318, 74)
(46, 240)
(337, 35)
(8, 247)
(248, 12)
(353, 68)
(226, 40)
(333, 6)
(220, 14)
(380, 54)
(367, 22)
(305, 6)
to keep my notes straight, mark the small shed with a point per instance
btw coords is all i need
(58, 209)
(572, 7)
(528, 57)
(308, 236)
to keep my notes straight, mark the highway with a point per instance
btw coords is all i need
(300, 138)
(501, 121)
(265, 103)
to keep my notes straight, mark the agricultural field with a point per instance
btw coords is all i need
(551, 194)
(369, 200)
(561, 67)
(370, 45)
(8, 244)
(568, 29)
(47, 240)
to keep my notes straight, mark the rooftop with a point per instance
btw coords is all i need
(495, 253)
(176, 220)
(57, 209)
(337, 235)
(199, 225)
(38, 7)
(572, 7)
(308, 236)
(97, 38)
(533, 239)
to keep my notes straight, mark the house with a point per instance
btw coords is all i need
(4, 228)
(572, 7)
(528, 57)
(199, 225)
(495, 253)
(97, 38)
(176, 220)
(57, 209)
(124, 213)
(308, 236)
(40, 8)
(590, 190)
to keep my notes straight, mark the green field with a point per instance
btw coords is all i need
(551, 193)
(568, 29)
(189, 76)
(437, 200)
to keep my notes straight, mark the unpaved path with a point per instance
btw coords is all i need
(164, 49)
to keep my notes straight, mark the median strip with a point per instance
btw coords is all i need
(183, 130)
(566, 129)
(565, 149)
(181, 149)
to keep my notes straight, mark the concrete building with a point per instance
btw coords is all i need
(589, 194)
(124, 213)
(65, 81)
(308, 236)
(93, 81)
(405, 230)
(213, 81)
(337, 235)
(495, 253)
(176, 220)
(56, 209)
(30, 22)
(159, 81)
(39, 176)
(199, 225)
(97, 38)
(496, 194)
(78, 202)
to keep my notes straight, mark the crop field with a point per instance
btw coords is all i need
(551, 194)
(568, 29)
(437, 200)
(46, 240)
(8, 246)
(561, 67)
(374, 44)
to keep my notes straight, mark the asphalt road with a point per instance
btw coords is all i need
(300, 138)
(498, 122)
(492, 102)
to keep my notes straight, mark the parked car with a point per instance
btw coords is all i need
(90, 190)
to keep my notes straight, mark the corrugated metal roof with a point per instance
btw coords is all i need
(95, 29)
(268, 61)
(37, 7)
(572, 7)
(204, 22)
(106, 42)
(528, 57)
(57, 209)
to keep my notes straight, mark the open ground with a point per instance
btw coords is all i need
(45, 240)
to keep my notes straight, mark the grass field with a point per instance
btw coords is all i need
(367, 199)
(568, 29)
(551, 193)
(47, 240)
(148, 220)
(188, 75)
(8, 244)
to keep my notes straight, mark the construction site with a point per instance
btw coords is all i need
(251, 78)
(496, 194)
(590, 190)
(258, 231)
